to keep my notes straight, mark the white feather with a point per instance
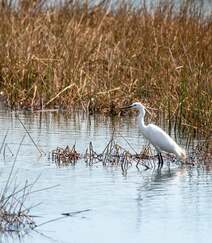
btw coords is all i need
(162, 141)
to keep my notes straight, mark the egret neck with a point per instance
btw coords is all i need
(141, 117)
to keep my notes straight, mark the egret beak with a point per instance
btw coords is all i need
(126, 107)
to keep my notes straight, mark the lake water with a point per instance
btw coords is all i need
(144, 206)
(205, 4)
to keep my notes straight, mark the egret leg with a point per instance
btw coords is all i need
(161, 161)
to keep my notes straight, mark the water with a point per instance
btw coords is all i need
(173, 206)
(206, 5)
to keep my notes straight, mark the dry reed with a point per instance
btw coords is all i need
(115, 155)
(99, 58)
(14, 216)
(65, 156)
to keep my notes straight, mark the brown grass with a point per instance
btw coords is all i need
(100, 59)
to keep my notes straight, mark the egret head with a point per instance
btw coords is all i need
(137, 106)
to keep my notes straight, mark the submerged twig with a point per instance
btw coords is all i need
(6, 146)
(64, 215)
(11, 171)
(41, 152)
(4, 139)
(75, 212)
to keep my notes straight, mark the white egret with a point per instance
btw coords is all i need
(157, 137)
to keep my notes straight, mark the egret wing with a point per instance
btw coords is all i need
(159, 138)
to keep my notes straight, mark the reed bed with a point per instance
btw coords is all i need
(99, 57)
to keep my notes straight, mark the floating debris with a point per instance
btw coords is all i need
(71, 214)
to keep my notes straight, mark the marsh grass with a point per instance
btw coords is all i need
(99, 58)
(14, 216)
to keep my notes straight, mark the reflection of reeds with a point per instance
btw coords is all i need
(99, 59)
(28, 133)
(201, 154)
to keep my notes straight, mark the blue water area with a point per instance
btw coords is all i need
(173, 205)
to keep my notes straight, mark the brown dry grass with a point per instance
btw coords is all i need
(99, 59)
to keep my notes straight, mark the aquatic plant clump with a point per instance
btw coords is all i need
(112, 155)
(115, 155)
(65, 156)
(15, 222)
(14, 216)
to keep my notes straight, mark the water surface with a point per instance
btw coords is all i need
(144, 206)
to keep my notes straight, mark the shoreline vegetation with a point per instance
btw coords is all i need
(100, 58)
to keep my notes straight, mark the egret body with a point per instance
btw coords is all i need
(157, 137)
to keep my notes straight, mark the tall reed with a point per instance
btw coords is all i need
(100, 57)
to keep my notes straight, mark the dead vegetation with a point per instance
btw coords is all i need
(65, 156)
(99, 58)
(14, 215)
(115, 155)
